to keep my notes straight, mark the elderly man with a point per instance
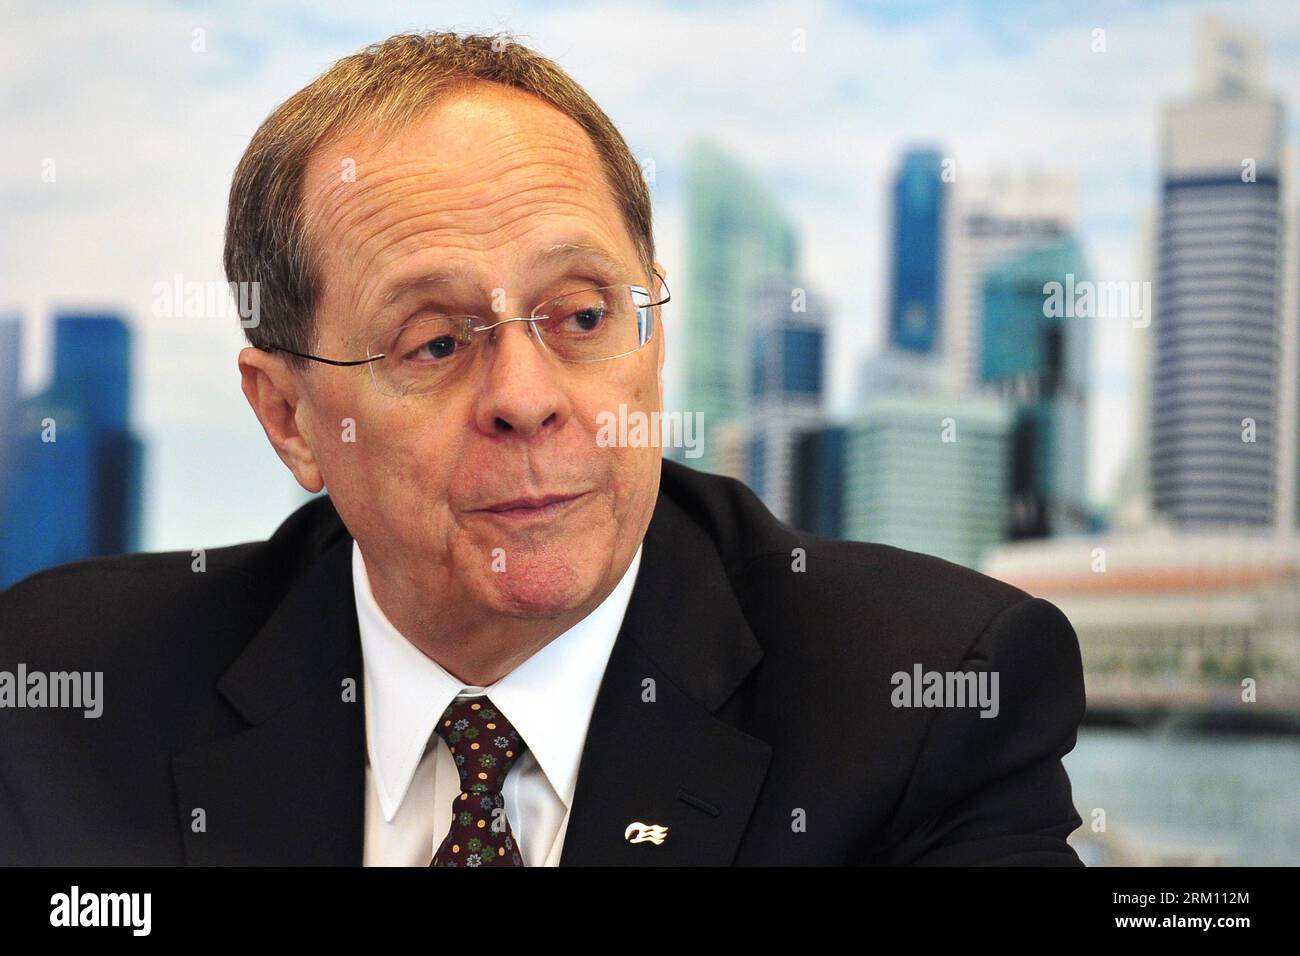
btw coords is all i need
(498, 641)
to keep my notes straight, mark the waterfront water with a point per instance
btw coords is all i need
(1227, 799)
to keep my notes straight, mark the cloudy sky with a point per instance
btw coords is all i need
(144, 131)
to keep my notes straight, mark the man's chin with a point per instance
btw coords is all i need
(533, 588)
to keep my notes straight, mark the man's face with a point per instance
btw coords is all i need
(483, 186)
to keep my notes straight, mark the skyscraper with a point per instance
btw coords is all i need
(1218, 318)
(787, 346)
(737, 236)
(73, 476)
(1039, 363)
(818, 504)
(993, 218)
(917, 261)
(10, 358)
(927, 474)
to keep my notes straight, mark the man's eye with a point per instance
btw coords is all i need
(585, 320)
(436, 348)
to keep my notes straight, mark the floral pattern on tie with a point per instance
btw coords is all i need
(485, 747)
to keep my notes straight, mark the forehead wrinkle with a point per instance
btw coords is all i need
(359, 204)
(508, 152)
(469, 217)
(512, 152)
(520, 157)
(458, 198)
(558, 251)
(458, 203)
(547, 130)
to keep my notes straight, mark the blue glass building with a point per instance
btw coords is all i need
(916, 267)
(72, 467)
(819, 481)
(787, 369)
(737, 236)
(1040, 363)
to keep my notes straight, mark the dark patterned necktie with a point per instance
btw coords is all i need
(485, 747)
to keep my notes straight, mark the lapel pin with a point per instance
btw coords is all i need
(639, 832)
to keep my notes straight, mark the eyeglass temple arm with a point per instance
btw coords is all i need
(664, 283)
(317, 358)
(375, 358)
(530, 318)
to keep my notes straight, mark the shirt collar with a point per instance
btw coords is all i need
(548, 698)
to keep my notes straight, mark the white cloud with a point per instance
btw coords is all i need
(145, 132)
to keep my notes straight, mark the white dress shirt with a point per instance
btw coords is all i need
(411, 776)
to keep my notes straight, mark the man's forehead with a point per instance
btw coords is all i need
(452, 136)
(603, 262)
(429, 174)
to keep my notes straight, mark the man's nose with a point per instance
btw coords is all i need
(521, 389)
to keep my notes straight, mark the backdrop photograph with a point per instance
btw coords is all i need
(539, 434)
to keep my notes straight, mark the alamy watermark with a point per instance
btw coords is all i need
(638, 429)
(73, 689)
(946, 689)
(1086, 299)
(195, 299)
(129, 910)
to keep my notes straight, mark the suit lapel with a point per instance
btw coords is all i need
(656, 754)
(290, 789)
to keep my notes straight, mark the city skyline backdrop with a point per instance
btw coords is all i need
(813, 135)
(818, 100)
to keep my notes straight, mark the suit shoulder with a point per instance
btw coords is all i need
(799, 586)
(910, 571)
(760, 551)
(855, 575)
(143, 566)
(155, 593)
(849, 614)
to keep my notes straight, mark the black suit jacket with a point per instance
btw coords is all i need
(771, 737)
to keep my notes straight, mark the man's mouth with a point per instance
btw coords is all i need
(539, 507)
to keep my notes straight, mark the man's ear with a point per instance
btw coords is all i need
(659, 330)
(663, 274)
(271, 388)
